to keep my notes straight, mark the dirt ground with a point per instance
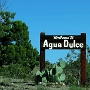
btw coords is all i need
(20, 84)
(27, 86)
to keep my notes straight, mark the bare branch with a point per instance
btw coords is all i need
(3, 6)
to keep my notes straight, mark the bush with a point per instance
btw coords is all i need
(4, 71)
(75, 88)
(15, 71)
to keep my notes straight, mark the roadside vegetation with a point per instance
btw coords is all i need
(19, 60)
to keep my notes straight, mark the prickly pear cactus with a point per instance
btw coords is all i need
(59, 76)
(38, 77)
(51, 72)
(55, 75)
(62, 77)
(62, 64)
(59, 69)
(38, 73)
(44, 80)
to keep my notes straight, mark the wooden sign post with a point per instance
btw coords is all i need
(64, 42)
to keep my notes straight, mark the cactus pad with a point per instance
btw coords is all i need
(62, 77)
(59, 70)
(62, 64)
(44, 80)
(38, 73)
(51, 72)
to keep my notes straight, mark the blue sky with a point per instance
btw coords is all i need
(60, 17)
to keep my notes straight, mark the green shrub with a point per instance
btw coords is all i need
(15, 71)
(4, 71)
(56, 74)
(75, 88)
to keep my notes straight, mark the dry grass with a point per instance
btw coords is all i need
(19, 84)
(26, 84)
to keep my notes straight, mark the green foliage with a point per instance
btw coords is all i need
(18, 72)
(71, 73)
(5, 27)
(56, 78)
(62, 77)
(72, 69)
(15, 71)
(53, 71)
(62, 64)
(44, 80)
(4, 71)
(59, 69)
(48, 64)
(38, 73)
(56, 74)
(15, 46)
(75, 88)
(18, 56)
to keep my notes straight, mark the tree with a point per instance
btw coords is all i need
(20, 33)
(73, 68)
(15, 44)
(16, 50)
(3, 7)
(5, 28)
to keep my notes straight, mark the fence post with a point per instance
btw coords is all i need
(42, 53)
(83, 63)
